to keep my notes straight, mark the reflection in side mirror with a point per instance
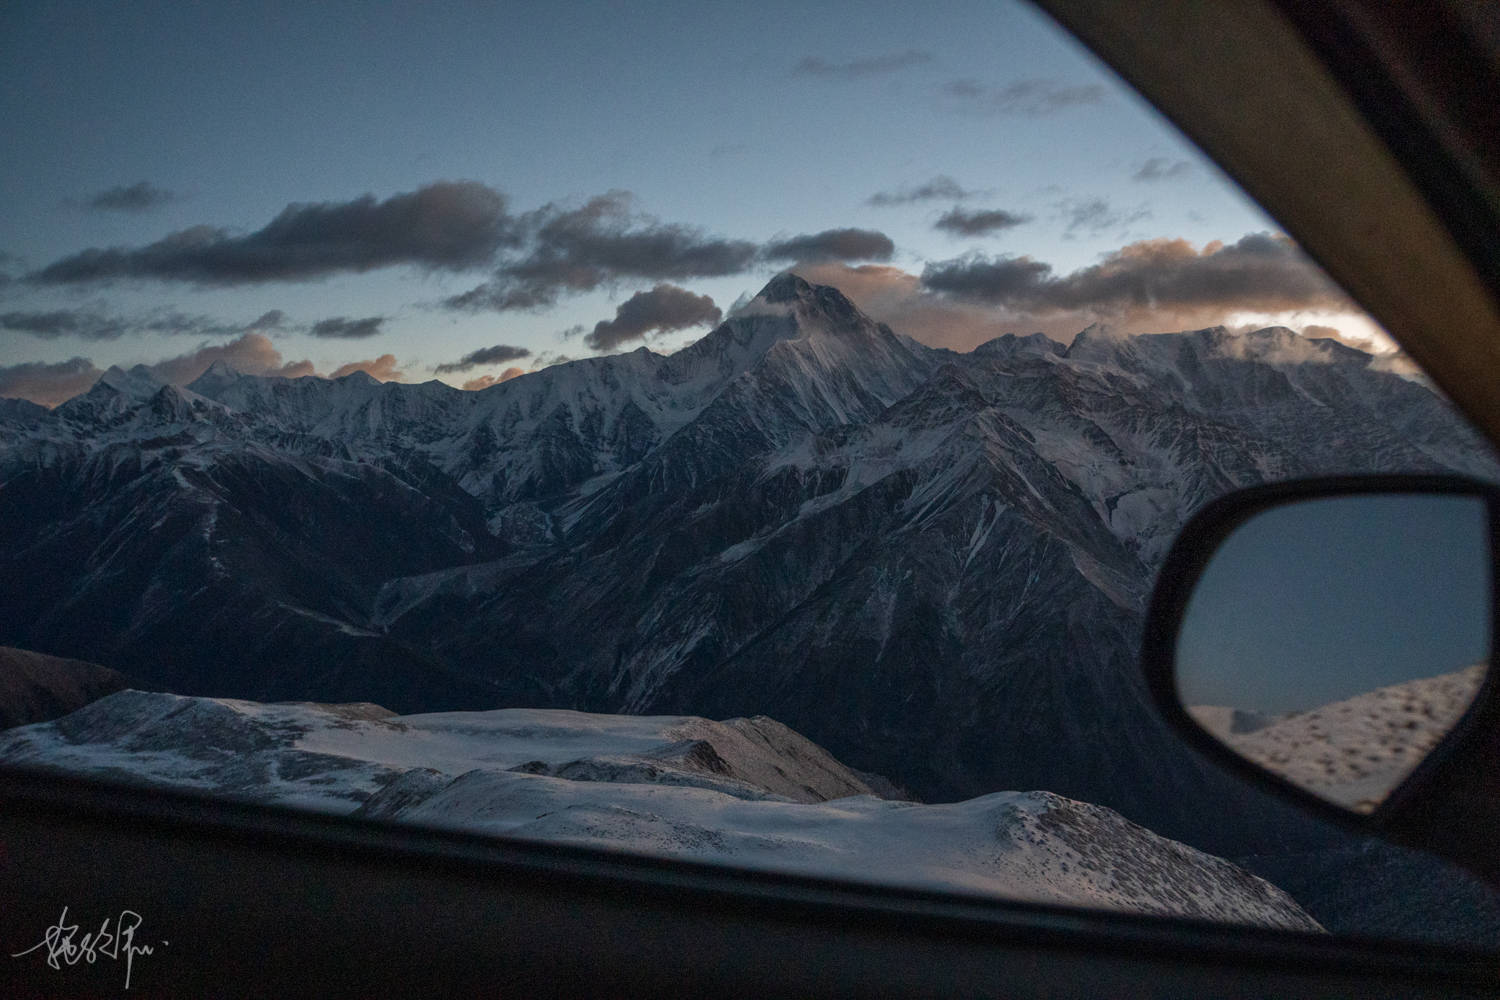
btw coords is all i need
(1335, 641)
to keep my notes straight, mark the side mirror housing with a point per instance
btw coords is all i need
(1331, 639)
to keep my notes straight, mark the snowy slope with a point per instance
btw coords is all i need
(1356, 751)
(748, 792)
(329, 756)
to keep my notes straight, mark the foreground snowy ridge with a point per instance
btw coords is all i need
(746, 792)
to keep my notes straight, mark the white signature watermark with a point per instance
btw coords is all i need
(64, 946)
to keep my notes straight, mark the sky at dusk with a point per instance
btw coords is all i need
(1360, 591)
(471, 191)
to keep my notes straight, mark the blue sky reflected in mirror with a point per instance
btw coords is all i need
(1315, 601)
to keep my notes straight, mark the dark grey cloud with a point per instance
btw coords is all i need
(92, 325)
(896, 297)
(1094, 216)
(605, 237)
(1259, 273)
(505, 293)
(1031, 98)
(832, 244)
(348, 329)
(549, 358)
(498, 354)
(855, 69)
(48, 384)
(940, 188)
(980, 223)
(141, 196)
(186, 324)
(997, 281)
(663, 308)
(54, 323)
(577, 250)
(1161, 169)
(447, 225)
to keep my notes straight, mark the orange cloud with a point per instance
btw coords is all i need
(1155, 285)
(382, 368)
(48, 384)
(251, 353)
(485, 381)
(895, 297)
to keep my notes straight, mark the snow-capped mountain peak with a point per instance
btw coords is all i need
(138, 382)
(788, 308)
(116, 392)
(1097, 342)
(216, 378)
(361, 377)
(817, 309)
(786, 287)
(1009, 345)
(221, 369)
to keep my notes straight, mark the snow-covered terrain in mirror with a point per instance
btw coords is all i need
(1355, 751)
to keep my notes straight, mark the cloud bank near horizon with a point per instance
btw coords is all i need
(1147, 286)
(533, 260)
(52, 384)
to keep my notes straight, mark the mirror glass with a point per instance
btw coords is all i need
(1335, 641)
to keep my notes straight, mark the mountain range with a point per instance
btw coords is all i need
(933, 564)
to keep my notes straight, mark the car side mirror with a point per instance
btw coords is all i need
(1331, 640)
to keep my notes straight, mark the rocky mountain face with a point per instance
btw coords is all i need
(38, 688)
(746, 792)
(933, 564)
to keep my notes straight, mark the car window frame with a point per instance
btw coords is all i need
(32, 803)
